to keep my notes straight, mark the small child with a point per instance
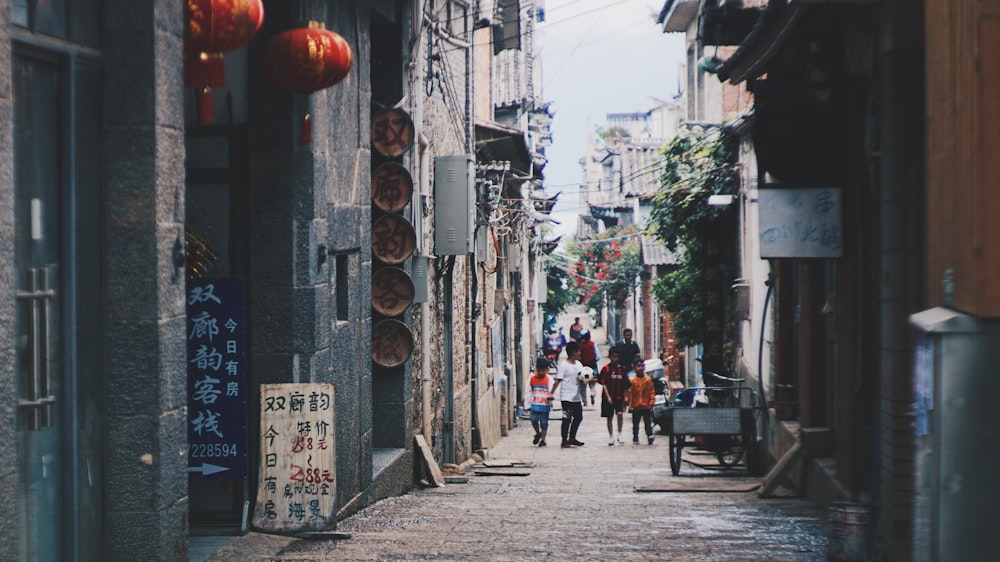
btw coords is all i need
(641, 396)
(541, 400)
(615, 382)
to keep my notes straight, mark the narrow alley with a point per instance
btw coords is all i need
(586, 503)
(595, 502)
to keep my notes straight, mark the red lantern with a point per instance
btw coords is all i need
(211, 27)
(306, 59)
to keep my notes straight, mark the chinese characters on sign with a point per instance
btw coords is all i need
(216, 374)
(297, 489)
(800, 223)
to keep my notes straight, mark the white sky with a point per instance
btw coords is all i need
(598, 57)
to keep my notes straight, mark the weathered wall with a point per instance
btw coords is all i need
(143, 166)
(963, 155)
(8, 383)
(903, 185)
(445, 104)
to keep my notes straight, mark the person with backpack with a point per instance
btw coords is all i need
(588, 358)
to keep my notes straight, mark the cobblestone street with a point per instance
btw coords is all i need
(586, 503)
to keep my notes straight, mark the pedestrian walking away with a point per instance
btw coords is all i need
(615, 383)
(641, 396)
(588, 358)
(628, 350)
(567, 377)
(541, 400)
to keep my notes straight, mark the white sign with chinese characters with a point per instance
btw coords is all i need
(297, 488)
(800, 223)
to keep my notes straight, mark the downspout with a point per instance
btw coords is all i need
(477, 440)
(423, 178)
(470, 143)
(448, 439)
(760, 354)
(426, 412)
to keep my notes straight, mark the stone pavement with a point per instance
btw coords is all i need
(585, 503)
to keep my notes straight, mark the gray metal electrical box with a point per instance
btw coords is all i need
(454, 204)
(956, 389)
(421, 279)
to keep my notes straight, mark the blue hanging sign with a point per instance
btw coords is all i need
(216, 379)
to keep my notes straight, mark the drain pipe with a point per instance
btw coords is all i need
(423, 190)
(760, 353)
(477, 440)
(426, 412)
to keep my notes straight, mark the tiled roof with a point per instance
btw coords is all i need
(655, 253)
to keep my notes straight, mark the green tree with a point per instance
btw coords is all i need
(698, 165)
(606, 267)
(559, 297)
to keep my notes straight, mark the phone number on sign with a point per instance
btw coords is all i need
(214, 450)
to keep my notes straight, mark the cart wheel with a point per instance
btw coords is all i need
(675, 449)
(730, 455)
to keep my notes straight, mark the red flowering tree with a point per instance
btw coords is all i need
(607, 267)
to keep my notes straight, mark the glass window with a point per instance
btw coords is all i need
(77, 20)
(50, 17)
(20, 12)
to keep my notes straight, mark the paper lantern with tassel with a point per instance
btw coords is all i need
(304, 60)
(211, 27)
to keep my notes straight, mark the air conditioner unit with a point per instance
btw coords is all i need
(454, 204)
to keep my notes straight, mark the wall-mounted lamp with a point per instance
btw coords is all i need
(709, 64)
(720, 200)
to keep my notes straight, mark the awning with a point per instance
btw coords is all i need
(655, 252)
(496, 143)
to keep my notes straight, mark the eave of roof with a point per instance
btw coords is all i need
(775, 24)
(677, 15)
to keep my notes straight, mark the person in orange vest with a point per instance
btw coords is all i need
(641, 396)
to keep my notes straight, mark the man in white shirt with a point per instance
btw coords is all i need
(566, 385)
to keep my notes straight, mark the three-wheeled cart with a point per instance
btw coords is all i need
(726, 427)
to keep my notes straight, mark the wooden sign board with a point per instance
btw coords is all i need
(393, 239)
(392, 343)
(297, 488)
(392, 132)
(392, 187)
(392, 291)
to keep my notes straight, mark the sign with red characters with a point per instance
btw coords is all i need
(298, 485)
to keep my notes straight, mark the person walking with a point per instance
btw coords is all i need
(628, 349)
(574, 329)
(588, 358)
(615, 383)
(567, 377)
(641, 396)
(541, 400)
(554, 344)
